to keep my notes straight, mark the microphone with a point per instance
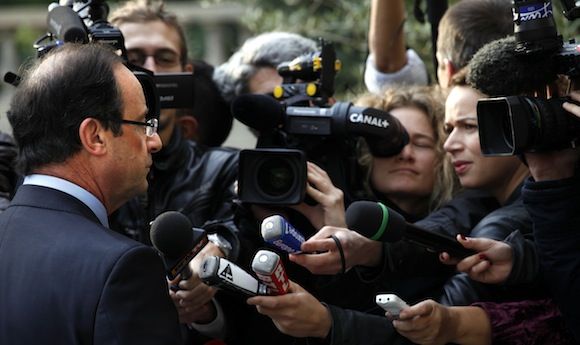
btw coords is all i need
(259, 112)
(278, 232)
(263, 113)
(220, 272)
(380, 223)
(270, 271)
(65, 23)
(497, 70)
(178, 242)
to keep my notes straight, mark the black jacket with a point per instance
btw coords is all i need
(555, 210)
(8, 176)
(186, 177)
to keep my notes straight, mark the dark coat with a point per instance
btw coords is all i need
(66, 279)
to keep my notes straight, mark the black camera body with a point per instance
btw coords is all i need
(272, 176)
(309, 78)
(298, 124)
(515, 124)
(85, 21)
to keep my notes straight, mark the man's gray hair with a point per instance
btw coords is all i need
(265, 50)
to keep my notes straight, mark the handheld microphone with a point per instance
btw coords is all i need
(65, 23)
(259, 112)
(178, 242)
(380, 223)
(262, 112)
(220, 272)
(270, 271)
(278, 232)
(497, 70)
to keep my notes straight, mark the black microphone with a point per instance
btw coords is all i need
(497, 70)
(262, 113)
(380, 223)
(65, 23)
(178, 242)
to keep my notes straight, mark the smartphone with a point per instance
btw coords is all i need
(391, 303)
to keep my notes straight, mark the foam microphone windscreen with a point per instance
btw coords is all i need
(172, 234)
(260, 112)
(497, 70)
(375, 221)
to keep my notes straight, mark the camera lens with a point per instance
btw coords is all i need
(275, 177)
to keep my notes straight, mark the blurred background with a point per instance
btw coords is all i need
(216, 28)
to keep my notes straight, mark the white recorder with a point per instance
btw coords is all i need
(391, 303)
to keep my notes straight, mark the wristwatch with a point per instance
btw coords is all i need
(224, 245)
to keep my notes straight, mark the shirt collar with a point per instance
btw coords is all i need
(73, 190)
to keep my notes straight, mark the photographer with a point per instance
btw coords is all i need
(186, 177)
(252, 68)
(552, 199)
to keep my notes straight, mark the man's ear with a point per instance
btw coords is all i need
(189, 127)
(92, 136)
(449, 70)
(188, 68)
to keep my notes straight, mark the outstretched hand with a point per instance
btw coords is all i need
(193, 299)
(492, 264)
(325, 256)
(297, 313)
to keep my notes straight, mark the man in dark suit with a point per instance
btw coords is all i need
(85, 139)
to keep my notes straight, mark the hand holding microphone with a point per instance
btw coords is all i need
(380, 223)
(182, 247)
(270, 271)
(277, 231)
(297, 313)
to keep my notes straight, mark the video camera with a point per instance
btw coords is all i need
(85, 21)
(515, 124)
(275, 173)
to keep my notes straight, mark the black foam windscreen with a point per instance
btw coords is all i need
(66, 24)
(375, 221)
(497, 70)
(172, 234)
(260, 112)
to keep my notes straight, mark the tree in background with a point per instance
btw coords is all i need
(345, 23)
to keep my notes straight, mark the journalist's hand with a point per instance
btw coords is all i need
(193, 300)
(492, 264)
(297, 313)
(330, 207)
(430, 323)
(325, 258)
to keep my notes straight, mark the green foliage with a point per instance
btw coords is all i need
(345, 23)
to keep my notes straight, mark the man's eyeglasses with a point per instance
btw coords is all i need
(150, 126)
(163, 58)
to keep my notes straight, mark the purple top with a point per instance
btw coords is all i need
(526, 322)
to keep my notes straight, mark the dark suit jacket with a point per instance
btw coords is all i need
(66, 279)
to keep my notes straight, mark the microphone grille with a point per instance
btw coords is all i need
(172, 234)
(271, 228)
(364, 217)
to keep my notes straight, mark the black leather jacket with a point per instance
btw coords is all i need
(8, 176)
(186, 177)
